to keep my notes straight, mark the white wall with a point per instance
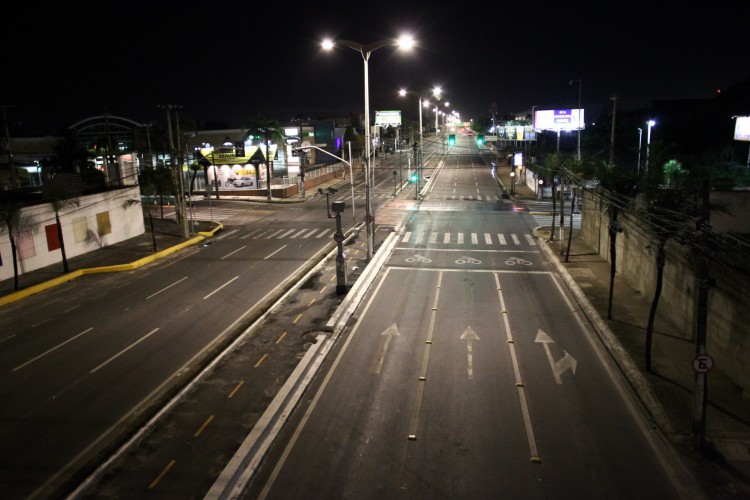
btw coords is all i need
(125, 219)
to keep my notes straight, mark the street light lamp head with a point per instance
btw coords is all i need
(651, 123)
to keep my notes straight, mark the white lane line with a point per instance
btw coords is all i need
(232, 253)
(124, 350)
(222, 286)
(274, 253)
(166, 288)
(71, 339)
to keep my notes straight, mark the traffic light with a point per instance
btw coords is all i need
(452, 140)
(413, 177)
(480, 139)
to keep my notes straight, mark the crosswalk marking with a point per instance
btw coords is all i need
(478, 197)
(273, 234)
(284, 234)
(449, 238)
(298, 233)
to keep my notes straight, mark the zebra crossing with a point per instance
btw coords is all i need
(473, 239)
(286, 233)
(383, 196)
(215, 214)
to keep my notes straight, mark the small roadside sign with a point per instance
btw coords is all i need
(703, 363)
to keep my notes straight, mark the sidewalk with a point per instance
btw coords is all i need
(723, 468)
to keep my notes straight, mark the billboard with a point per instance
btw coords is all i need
(742, 128)
(386, 118)
(559, 119)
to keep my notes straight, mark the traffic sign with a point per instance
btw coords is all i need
(338, 237)
(369, 218)
(703, 363)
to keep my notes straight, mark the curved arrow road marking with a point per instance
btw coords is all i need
(558, 367)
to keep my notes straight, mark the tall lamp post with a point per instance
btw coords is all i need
(435, 92)
(650, 124)
(578, 154)
(640, 138)
(405, 42)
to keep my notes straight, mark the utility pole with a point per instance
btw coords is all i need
(11, 165)
(704, 282)
(612, 137)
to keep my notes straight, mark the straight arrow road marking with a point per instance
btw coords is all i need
(389, 333)
(469, 336)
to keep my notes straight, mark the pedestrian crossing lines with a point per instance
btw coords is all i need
(212, 213)
(295, 233)
(478, 197)
(473, 239)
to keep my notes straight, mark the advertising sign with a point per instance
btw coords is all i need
(559, 119)
(386, 118)
(742, 128)
(236, 177)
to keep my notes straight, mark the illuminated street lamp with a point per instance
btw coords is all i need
(650, 124)
(435, 92)
(512, 182)
(578, 154)
(405, 42)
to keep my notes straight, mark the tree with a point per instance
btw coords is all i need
(270, 130)
(16, 223)
(59, 200)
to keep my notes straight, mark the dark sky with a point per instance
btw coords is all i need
(226, 62)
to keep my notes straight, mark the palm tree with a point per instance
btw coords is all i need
(16, 223)
(270, 130)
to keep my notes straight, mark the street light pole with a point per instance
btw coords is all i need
(638, 167)
(578, 154)
(365, 51)
(650, 124)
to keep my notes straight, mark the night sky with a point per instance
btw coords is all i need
(226, 63)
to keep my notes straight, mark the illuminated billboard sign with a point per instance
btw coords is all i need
(559, 119)
(386, 118)
(742, 128)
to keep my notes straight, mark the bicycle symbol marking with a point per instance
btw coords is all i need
(467, 260)
(418, 258)
(512, 261)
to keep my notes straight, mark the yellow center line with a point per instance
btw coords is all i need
(297, 318)
(162, 474)
(311, 303)
(261, 360)
(237, 388)
(281, 337)
(203, 427)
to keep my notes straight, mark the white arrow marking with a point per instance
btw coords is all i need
(389, 333)
(566, 362)
(469, 336)
(559, 367)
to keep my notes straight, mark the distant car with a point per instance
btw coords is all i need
(242, 182)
